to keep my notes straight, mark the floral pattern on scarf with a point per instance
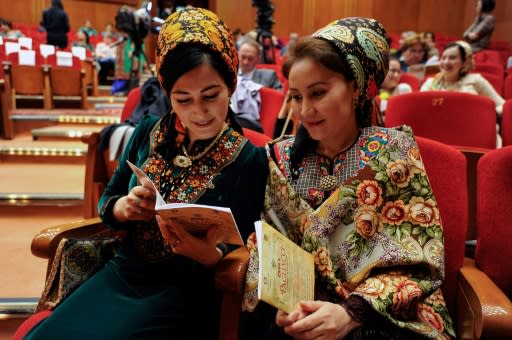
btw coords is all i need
(197, 26)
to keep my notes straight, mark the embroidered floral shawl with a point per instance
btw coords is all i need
(378, 235)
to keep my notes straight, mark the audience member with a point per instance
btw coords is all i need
(403, 36)
(87, 28)
(109, 30)
(268, 47)
(430, 41)
(238, 36)
(357, 198)
(246, 104)
(413, 52)
(156, 288)
(480, 32)
(249, 55)
(83, 41)
(55, 22)
(7, 32)
(106, 57)
(391, 85)
(456, 62)
(292, 41)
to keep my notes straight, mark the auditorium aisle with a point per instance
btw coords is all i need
(41, 185)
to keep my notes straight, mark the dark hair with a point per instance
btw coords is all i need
(324, 53)
(394, 57)
(57, 4)
(488, 5)
(6, 22)
(432, 34)
(185, 58)
(461, 50)
(182, 59)
(87, 40)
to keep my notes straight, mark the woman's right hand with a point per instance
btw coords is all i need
(317, 320)
(284, 319)
(138, 205)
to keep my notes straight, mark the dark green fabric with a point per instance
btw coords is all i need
(176, 298)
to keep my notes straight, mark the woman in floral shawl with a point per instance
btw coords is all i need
(355, 196)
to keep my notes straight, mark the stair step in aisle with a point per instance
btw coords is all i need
(63, 132)
(24, 120)
(33, 196)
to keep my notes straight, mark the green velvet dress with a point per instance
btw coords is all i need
(146, 291)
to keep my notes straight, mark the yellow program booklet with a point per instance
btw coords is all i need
(286, 271)
(195, 218)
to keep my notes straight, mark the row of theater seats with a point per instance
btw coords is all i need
(47, 80)
(490, 64)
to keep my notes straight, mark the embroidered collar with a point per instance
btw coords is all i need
(188, 184)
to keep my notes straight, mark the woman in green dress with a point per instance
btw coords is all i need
(357, 197)
(152, 289)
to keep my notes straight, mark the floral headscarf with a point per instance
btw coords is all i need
(197, 26)
(362, 42)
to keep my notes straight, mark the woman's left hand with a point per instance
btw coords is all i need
(319, 320)
(202, 249)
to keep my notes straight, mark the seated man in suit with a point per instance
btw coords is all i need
(249, 54)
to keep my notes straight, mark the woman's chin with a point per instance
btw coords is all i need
(315, 131)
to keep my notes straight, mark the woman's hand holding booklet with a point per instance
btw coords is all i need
(196, 219)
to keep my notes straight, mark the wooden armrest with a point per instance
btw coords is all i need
(230, 271)
(46, 241)
(483, 310)
(230, 280)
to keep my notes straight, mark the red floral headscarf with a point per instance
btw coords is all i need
(197, 26)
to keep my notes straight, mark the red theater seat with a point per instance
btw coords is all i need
(255, 137)
(446, 170)
(453, 118)
(506, 123)
(410, 79)
(132, 100)
(271, 101)
(494, 201)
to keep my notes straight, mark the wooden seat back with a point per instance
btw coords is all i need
(67, 81)
(26, 80)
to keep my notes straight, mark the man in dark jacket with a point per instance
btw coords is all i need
(55, 22)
